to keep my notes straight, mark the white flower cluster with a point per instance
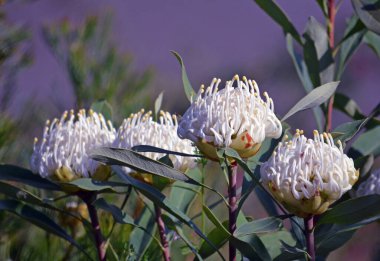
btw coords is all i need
(370, 186)
(235, 116)
(141, 129)
(62, 155)
(307, 175)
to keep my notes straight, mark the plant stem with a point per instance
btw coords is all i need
(203, 201)
(100, 243)
(232, 210)
(330, 28)
(309, 235)
(161, 231)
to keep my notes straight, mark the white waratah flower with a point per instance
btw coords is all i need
(141, 129)
(235, 117)
(370, 186)
(62, 153)
(307, 175)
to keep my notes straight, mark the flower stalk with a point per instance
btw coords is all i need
(232, 200)
(309, 235)
(330, 27)
(88, 198)
(161, 231)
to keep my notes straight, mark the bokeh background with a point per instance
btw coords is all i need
(69, 53)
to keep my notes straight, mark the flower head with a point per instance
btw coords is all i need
(235, 117)
(370, 186)
(307, 175)
(141, 129)
(62, 153)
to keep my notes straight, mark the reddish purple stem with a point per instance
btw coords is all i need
(100, 243)
(309, 234)
(232, 210)
(161, 231)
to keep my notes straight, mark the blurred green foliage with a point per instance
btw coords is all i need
(96, 68)
(13, 57)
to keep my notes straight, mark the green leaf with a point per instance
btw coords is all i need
(303, 75)
(189, 91)
(140, 239)
(148, 148)
(138, 162)
(95, 185)
(215, 221)
(329, 237)
(351, 41)
(317, 53)
(273, 242)
(275, 12)
(373, 41)
(161, 201)
(369, 13)
(25, 176)
(37, 218)
(357, 209)
(264, 225)
(182, 194)
(368, 142)
(348, 130)
(119, 216)
(251, 247)
(104, 108)
(314, 98)
(218, 237)
(364, 164)
(158, 103)
(323, 5)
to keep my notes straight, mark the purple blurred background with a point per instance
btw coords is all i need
(216, 38)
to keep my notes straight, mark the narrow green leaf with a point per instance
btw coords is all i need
(251, 247)
(314, 98)
(351, 41)
(189, 91)
(218, 237)
(348, 130)
(158, 103)
(357, 209)
(273, 242)
(25, 176)
(136, 161)
(104, 108)
(329, 237)
(95, 185)
(215, 220)
(364, 164)
(148, 148)
(182, 194)
(323, 5)
(368, 142)
(37, 218)
(264, 225)
(278, 15)
(162, 201)
(373, 41)
(140, 239)
(369, 13)
(317, 53)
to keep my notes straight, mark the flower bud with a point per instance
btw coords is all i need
(308, 175)
(141, 129)
(233, 117)
(62, 153)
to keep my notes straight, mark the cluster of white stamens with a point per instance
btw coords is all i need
(67, 141)
(370, 186)
(141, 129)
(218, 116)
(309, 167)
